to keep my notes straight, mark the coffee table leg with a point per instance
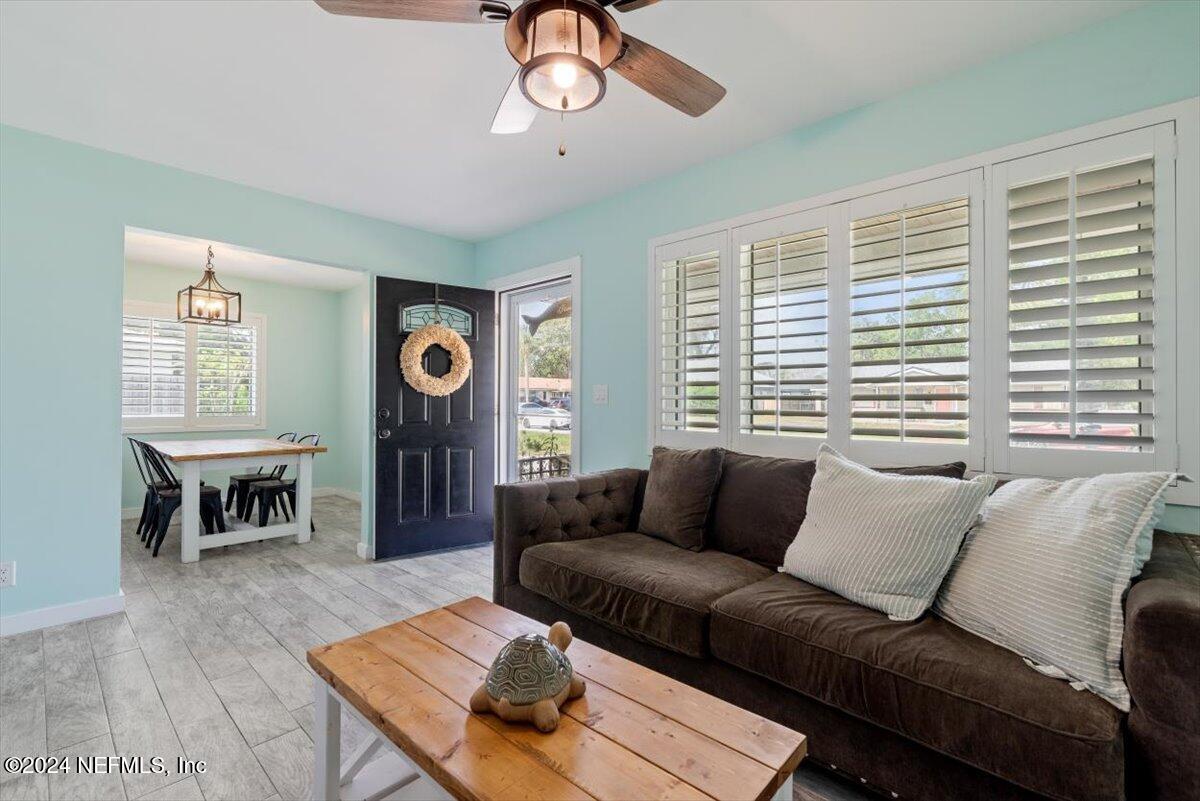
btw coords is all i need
(328, 746)
(784, 793)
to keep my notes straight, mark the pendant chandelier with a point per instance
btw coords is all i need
(208, 302)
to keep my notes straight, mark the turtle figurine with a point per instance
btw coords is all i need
(529, 679)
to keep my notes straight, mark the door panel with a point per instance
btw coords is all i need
(434, 456)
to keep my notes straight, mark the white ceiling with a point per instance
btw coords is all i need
(390, 118)
(186, 253)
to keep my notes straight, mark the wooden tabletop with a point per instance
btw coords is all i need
(634, 734)
(192, 450)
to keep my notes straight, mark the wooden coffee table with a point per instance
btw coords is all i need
(635, 734)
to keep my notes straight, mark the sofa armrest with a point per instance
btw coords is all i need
(1162, 670)
(575, 508)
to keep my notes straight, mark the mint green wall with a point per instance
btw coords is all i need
(1134, 61)
(304, 352)
(353, 353)
(63, 212)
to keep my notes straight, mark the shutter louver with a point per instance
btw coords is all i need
(1081, 310)
(783, 305)
(226, 365)
(909, 326)
(690, 352)
(152, 367)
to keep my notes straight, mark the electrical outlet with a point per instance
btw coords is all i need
(8, 574)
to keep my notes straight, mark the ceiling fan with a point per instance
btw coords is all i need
(563, 47)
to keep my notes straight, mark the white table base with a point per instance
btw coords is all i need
(191, 541)
(392, 776)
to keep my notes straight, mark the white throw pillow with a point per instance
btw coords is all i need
(1044, 573)
(882, 540)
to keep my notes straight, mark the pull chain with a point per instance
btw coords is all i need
(562, 138)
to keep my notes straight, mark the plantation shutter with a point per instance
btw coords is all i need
(689, 373)
(783, 331)
(1081, 309)
(152, 367)
(910, 323)
(226, 366)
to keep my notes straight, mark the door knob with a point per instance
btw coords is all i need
(383, 433)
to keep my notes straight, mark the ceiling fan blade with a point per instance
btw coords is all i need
(515, 114)
(429, 10)
(666, 77)
(631, 5)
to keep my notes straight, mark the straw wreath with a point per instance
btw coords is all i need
(414, 348)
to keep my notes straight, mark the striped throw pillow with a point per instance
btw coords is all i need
(882, 540)
(1044, 573)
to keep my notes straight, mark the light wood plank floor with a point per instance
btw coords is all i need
(207, 663)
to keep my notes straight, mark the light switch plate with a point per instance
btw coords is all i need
(8, 574)
(600, 394)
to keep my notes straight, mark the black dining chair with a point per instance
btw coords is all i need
(239, 485)
(169, 497)
(270, 494)
(148, 518)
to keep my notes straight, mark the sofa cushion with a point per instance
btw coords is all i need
(642, 587)
(679, 495)
(927, 680)
(743, 525)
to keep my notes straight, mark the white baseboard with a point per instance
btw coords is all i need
(65, 613)
(336, 492)
(363, 551)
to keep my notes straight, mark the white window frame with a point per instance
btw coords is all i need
(1158, 141)
(788, 224)
(692, 246)
(189, 421)
(1180, 155)
(880, 452)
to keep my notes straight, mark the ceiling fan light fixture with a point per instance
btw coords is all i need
(562, 71)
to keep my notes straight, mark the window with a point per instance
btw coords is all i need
(226, 371)
(152, 368)
(1084, 331)
(910, 323)
(1029, 328)
(783, 312)
(688, 381)
(179, 377)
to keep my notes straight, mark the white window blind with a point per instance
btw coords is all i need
(153, 382)
(226, 367)
(783, 324)
(1081, 284)
(910, 324)
(690, 344)
(178, 376)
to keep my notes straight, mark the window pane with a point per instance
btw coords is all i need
(909, 327)
(152, 367)
(690, 344)
(783, 317)
(1081, 325)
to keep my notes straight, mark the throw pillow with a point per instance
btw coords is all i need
(679, 495)
(1045, 572)
(882, 540)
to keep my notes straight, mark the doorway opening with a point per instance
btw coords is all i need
(539, 382)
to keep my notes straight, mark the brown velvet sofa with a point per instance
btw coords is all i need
(920, 710)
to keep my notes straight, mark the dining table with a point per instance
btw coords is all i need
(192, 456)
